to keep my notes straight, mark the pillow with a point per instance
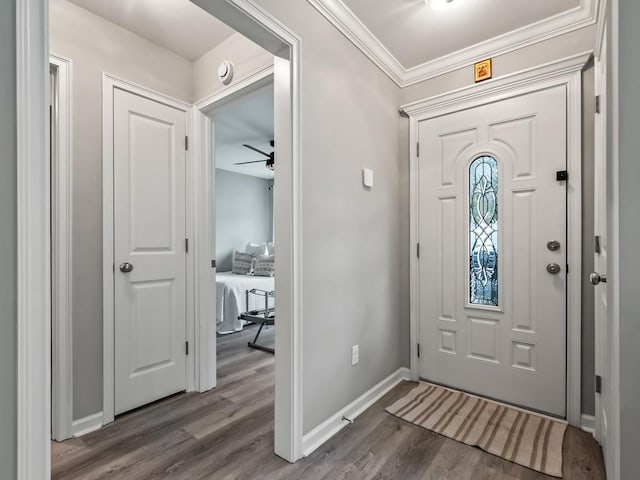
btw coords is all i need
(265, 266)
(256, 249)
(271, 248)
(242, 263)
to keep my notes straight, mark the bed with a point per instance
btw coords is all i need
(230, 298)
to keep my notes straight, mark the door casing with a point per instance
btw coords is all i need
(566, 72)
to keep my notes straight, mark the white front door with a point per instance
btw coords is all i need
(492, 288)
(603, 326)
(149, 238)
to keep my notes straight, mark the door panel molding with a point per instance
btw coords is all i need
(564, 72)
(109, 84)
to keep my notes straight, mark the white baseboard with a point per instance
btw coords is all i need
(588, 424)
(86, 425)
(327, 429)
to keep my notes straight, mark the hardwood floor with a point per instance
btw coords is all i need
(228, 434)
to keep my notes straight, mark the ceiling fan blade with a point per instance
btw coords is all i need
(255, 161)
(255, 149)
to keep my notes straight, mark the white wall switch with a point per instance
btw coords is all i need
(355, 353)
(367, 177)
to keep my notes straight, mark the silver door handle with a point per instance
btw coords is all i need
(553, 268)
(126, 267)
(596, 278)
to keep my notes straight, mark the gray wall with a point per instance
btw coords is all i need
(95, 46)
(588, 305)
(247, 58)
(629, 198)
(244, 213)
(572, 43)
(354, 241)
(8, 243)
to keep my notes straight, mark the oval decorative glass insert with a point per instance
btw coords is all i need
(483, 231)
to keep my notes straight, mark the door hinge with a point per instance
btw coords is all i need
(597, 103)
(213, 264)
(186, 347)
(418, 350)
(596, 244)
(562, 176)
(598, 384)
(186, 245)
(186, 142)
(417, 149)
(418, 250)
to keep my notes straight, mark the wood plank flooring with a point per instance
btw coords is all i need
(228, 434)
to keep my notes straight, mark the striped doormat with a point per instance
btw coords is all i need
(534, 441)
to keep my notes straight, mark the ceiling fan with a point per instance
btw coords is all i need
(269, 161)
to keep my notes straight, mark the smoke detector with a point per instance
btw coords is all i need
(225, 72)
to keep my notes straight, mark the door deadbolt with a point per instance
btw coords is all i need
(597, 279)
(553, 245)
(553, 268)
(126, 267)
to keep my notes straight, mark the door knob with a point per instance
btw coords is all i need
(597, 279)
(126, 267)
(553, 268)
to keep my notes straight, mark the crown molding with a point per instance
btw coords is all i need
(601, 22)
(357, 32)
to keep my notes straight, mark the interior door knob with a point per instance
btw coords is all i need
(126, 267)
(597, 279)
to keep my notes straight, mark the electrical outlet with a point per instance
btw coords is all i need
(355, 354)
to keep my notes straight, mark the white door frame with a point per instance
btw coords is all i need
(566, 72)
(202, 217)
(109, 83)
(33, 221)
(61, 253)
(255, 23)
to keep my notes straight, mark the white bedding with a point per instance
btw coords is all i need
(230, 298)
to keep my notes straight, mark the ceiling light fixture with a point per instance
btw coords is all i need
(444, 4)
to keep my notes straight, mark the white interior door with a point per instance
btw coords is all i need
(492, 288)
(603, 327)
(149, 239)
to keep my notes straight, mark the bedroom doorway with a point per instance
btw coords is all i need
(244, 178)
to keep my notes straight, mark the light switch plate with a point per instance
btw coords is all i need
(367, 177)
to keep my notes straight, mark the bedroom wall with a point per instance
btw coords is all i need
(244, 213)
(354, 241)
(579, 41)
(8, 241)
(95, 45)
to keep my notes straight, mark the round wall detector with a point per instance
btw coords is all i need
(225, 72)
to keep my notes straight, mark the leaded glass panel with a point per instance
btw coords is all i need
(483, 231)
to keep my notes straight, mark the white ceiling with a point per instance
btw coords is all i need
(415, 34)
(247, 119)
(163, 23)
(411, 42)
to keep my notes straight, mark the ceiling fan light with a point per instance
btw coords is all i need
(444, 4)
